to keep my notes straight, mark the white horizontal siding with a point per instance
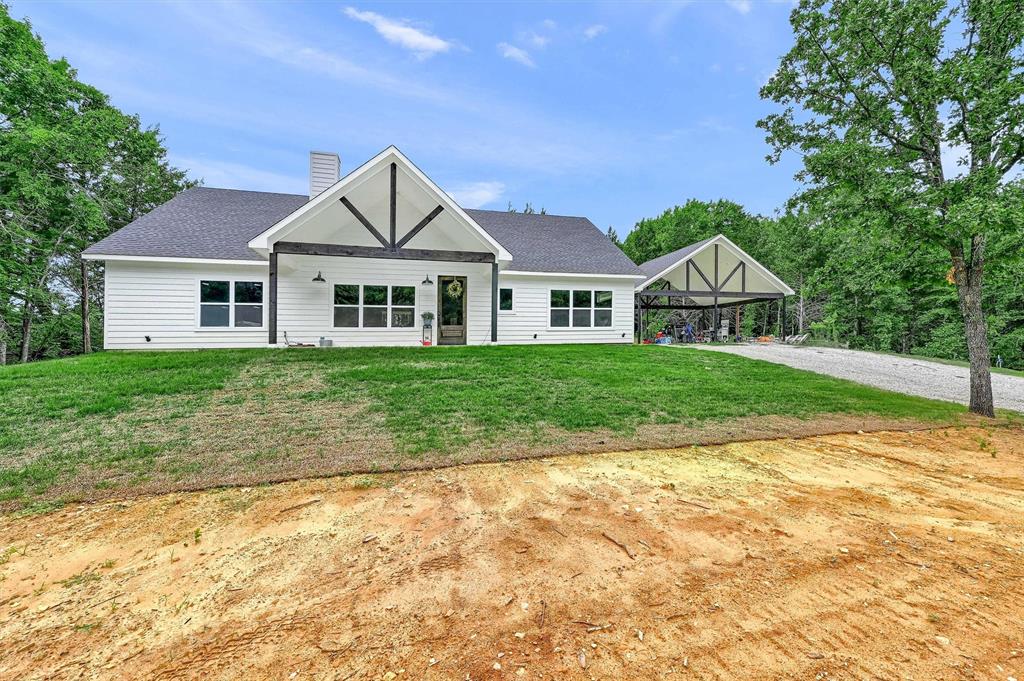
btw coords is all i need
(160, 300)
(324, 169)
(305, 309)
(531, 311)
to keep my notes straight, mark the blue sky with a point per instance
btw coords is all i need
(615, 111)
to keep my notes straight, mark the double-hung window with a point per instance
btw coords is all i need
(226, 303)
(374, 306)
(580, 308)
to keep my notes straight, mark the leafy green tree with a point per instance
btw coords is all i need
(528, 209)
(876, 92)
(72, 169)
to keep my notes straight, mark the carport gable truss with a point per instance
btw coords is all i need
(713, 273)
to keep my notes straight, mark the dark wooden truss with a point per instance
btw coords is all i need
(390, 248)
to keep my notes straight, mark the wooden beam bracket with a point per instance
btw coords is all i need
(366, 223)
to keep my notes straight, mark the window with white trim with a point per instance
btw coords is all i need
(580, 308)
(226, 303)
(374, 306)
(505, 299)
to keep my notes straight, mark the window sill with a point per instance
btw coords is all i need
(229, 329)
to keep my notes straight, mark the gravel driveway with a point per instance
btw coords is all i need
(900, 374)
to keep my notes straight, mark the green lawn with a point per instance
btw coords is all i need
(113, 423)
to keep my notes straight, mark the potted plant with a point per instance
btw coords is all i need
(428, 325)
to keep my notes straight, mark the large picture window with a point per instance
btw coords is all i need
(580, 308)
(224, 303)
(374, 306)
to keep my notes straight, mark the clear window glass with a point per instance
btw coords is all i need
(248, 292)
(375, 317)
(559, 298)
(346, 294)
(214, 315)
(249, 315)
(403, 317)
(581, 317)
(346, 317)
(403, 295)
(602, 298)
(375, 295)
(505, 299)
(214, 303)
(346, 306)
(581, 299)
(214, 292)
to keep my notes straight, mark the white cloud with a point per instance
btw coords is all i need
(245, 27)
(516, 54)
(741, 6)
(228, 175)
(537, 40)
(591, 32)
(549, 24)
(477, 194)
(400, 33)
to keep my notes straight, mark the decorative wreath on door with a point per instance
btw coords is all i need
(454, 289)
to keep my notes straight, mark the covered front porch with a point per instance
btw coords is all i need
(375, 257)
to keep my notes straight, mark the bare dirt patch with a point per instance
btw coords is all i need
(882, 555)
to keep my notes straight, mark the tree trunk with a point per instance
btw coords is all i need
(86, 331)
(26, 330)
(968, 276)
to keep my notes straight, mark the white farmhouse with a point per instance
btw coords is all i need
(359, 261)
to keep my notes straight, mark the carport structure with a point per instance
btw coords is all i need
(708, 275)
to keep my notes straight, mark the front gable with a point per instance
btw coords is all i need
(357, 211)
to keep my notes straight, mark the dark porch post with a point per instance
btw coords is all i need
(272, 322)
(494, 302)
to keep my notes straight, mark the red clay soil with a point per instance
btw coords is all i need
(868, 556)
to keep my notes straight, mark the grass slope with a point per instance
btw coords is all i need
(125, 420)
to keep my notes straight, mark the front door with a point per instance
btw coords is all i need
(451, 296)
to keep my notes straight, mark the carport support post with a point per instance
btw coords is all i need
(272, 322)
(636, 317)
(715, 321)
(782, 322)
(494, 302)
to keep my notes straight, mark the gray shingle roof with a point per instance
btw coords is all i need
(201, 222)
(652, 268)
(554, 243)
(218, 224)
